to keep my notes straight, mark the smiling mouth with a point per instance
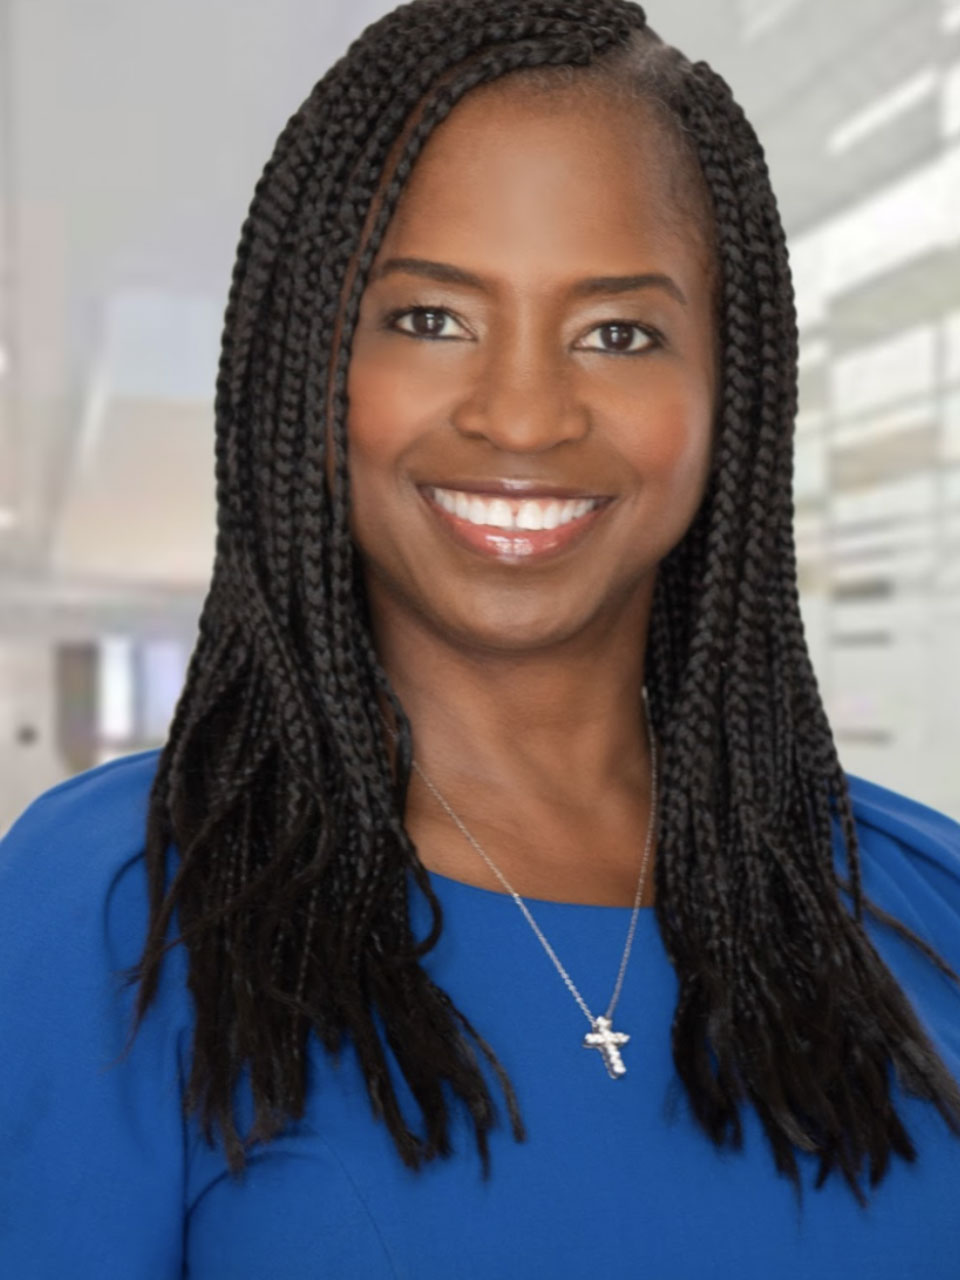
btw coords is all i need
(513, 529)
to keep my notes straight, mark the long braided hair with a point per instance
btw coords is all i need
(289, 885)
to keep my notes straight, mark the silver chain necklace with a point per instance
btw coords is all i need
(602, 1035)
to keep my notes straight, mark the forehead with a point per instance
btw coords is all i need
(545, 174)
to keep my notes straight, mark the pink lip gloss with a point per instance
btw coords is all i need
(514, 544)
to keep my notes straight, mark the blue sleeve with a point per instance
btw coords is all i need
(910, 858)
(91, 1149)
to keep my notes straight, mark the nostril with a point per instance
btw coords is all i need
(533, 419)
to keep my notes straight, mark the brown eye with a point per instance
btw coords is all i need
(424, 322)
(619, 337)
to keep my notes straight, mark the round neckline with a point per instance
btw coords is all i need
(540, 902)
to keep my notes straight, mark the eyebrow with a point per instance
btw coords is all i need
(445, 273)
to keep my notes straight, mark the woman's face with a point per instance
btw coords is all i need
(503, 350)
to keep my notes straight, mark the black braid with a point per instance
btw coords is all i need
(275, 786)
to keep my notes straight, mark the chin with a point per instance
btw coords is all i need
(501, 628)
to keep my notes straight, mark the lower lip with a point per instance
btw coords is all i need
(512, 545)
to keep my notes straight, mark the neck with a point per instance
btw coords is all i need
(557, 726)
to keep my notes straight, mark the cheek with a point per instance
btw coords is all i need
(378, 418)
(390, 406)
(367, 388)
(670, 442)
(384, 420)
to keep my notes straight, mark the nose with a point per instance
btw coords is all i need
(523, 399)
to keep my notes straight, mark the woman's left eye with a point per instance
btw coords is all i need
(621, 335)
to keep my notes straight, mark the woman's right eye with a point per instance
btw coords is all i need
(425, 322)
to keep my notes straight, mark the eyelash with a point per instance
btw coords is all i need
(389, 322)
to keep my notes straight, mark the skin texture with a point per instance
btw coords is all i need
(523, 681)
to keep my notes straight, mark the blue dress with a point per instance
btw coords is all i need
(101, 1177)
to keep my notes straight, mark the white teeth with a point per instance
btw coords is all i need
(499, 513)
(529, 516)
(502, 513)
(551, 516)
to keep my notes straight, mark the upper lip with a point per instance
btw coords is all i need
(515, 488)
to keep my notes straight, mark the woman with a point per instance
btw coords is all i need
(504, 611)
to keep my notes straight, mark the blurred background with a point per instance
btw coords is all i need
(131, 137)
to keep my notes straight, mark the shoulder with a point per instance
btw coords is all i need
(101, 804)
(910, 861)
(71, 865)
(92, 1176)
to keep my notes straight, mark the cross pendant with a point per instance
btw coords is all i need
(604, 1038)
